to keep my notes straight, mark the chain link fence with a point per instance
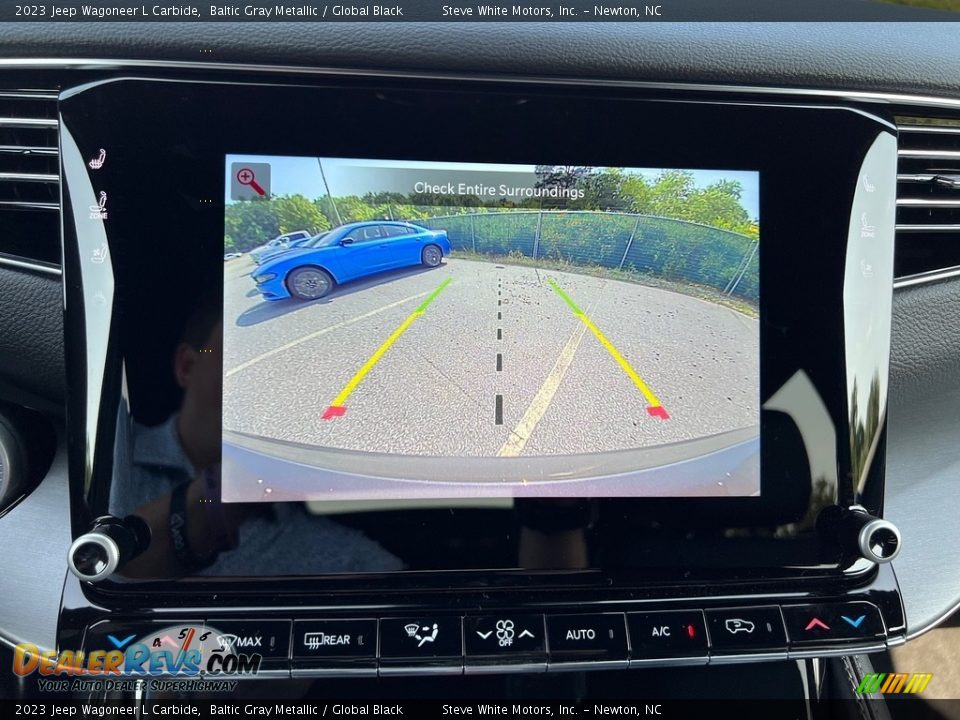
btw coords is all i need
(644, 245)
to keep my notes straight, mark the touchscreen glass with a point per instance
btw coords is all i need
(415, 330)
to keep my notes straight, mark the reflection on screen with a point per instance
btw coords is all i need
(398, 330)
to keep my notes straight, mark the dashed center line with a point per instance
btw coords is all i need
(535, 412)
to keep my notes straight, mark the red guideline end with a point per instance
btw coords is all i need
(658, 411)
(333, 411)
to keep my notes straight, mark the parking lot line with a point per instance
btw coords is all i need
(535, 412)
(318, 333)
(337, 407)
(654, 406)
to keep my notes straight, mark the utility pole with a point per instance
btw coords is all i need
(327, 188)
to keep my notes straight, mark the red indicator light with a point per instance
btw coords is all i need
(691, 632)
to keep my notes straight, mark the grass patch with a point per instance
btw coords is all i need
(701, 292)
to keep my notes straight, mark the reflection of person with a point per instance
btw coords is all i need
(174, 485)
(553, 532)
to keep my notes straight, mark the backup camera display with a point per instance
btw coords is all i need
(413, 330)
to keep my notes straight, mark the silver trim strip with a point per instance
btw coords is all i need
(838, 651)
(267, 674)
(24, 123)
(940, 129)
(929, 154)
(505, 667)
(334, 672)
(33, 265)
(29, 94)
(29, 177)
(28, 150)
(919, 203)
(747, 657)
(927, 277)
(669, 661)
(120, 64)
(422, 670)
(587, 665)
(927, 228)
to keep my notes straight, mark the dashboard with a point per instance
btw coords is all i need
(517, 350)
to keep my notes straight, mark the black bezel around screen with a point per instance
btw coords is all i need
(167, 143)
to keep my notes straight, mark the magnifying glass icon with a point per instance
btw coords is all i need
(246, 176)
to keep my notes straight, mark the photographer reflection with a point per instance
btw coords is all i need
(174, 486)
(554, 532)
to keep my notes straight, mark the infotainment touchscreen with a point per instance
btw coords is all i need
(398, 330)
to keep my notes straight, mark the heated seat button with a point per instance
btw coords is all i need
(322, 641)
(421, 639)
(575, 638)
(756, 629)
(504, 638)
(823, 624)
(678, 633)
(270, 639)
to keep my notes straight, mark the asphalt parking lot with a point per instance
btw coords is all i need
(478, 359)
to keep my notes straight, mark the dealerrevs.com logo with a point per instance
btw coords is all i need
(178, 657)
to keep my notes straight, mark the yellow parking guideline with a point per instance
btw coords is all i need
(336, 408)
(655, 407)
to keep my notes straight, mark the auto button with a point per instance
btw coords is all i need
(587, 638)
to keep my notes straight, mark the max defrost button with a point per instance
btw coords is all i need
(587, 637)
(746, 629)
(331, 641)
(270, 639)
(667, 634)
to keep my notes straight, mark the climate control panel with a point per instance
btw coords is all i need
(519, 642)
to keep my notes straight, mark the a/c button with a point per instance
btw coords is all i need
(678, 633)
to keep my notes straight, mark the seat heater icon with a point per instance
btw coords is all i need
(423, 634)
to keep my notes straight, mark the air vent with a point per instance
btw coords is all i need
(928, 196)
(29, 178)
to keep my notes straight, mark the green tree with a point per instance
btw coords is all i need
(249, 223)
(603, 190)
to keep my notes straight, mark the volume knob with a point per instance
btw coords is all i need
(108, 545)
(879, 540)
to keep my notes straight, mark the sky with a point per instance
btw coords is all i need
(301, 175)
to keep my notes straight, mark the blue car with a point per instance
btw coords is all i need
(347, 253)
